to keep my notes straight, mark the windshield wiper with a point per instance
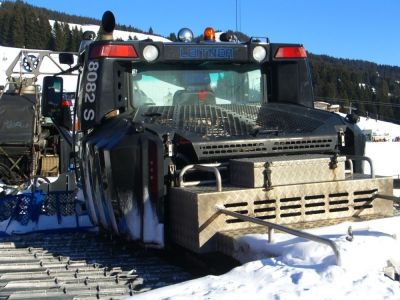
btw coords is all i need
(151, 114)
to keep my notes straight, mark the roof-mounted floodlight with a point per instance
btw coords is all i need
(185, 35)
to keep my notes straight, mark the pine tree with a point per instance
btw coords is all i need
(44, 30)
(68, 38)
(100, 33)
(172, 37)
(30, 29)
(383, 101)
(59, 37)
(151, 30)
(17, 28)
(5, 32)
(76, 38)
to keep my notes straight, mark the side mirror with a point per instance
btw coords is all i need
(52, 96)
(54, 105)
(66, 58)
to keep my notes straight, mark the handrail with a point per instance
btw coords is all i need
(206, 168)
(366, 158)
(351, 168)
(387, 197)
(295, 232)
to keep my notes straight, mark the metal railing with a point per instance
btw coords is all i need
(212, 168)
(295, 232)
(366, 158)
(387, 197)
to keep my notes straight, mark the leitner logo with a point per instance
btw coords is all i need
(209, 53)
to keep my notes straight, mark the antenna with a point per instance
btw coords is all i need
(236, 16)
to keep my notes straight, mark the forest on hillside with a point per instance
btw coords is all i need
(372, 89)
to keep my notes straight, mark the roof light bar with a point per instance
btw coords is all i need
(291, 52)
(114, 51)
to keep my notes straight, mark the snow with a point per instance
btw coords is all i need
(152, 229)
(306, 270)
(132, 220)
(118, 34)
(45, 223)
(379, 127)
(387, 164)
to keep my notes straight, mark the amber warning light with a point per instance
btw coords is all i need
(209, 34)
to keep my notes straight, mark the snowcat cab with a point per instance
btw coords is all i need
(175, 134)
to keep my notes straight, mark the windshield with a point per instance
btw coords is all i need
(240, 84)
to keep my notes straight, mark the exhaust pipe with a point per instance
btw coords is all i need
(107, 26)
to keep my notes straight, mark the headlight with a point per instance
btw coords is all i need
(259, 53)
(150, 53)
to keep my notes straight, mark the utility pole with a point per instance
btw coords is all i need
(350, 107)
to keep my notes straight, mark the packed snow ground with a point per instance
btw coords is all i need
(306, 270)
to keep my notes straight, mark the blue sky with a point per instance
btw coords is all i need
(355, 29)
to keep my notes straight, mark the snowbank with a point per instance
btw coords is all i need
(306, 270)
(385, 157)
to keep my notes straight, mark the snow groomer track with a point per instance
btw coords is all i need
(80, 265)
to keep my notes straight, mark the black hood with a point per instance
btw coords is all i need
(222, 131)
(235, 120)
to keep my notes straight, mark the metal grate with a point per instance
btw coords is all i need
(235, 119)
(306, 143)
(238, 207)
(304, 206)
(265, 209)
(363, 199)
